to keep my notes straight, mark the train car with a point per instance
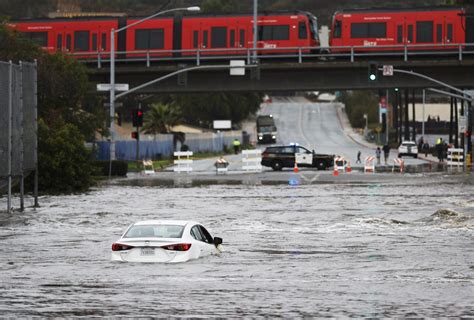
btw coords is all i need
(231, 35)
(155, 37)
(392, 29)
(80, 37)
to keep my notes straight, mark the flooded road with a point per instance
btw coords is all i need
(363, 250)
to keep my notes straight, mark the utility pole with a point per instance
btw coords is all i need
(255, 30)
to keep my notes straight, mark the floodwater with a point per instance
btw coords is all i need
(327, 250)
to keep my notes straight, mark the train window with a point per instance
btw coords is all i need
(281, 32)
(450, 33)
(94, 42)
(68, 42)
(439, 33)
(149, 39)
(219, 37)
(195, 39)
(302, 31)
(232, 38)
(369, 30)
(40, 38)
(359, 30)
(103, 44)
(424, 31)
(242, 38)
(337, 29)
(274, 32)
(59, 42)
(157, 39)
(400, 34)
(81, 41)
(410, 33)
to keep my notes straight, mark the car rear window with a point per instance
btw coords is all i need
(155, 231)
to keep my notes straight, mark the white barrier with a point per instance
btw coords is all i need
(398, 162)
(252, 160)
(183, 165)
(148, 167)
(455, 157)
(369, 164)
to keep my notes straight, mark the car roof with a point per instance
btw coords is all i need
(166, 222)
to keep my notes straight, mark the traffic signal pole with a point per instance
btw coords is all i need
(138, 135)
(462, 95)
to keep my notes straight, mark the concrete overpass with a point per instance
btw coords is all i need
(287, 75)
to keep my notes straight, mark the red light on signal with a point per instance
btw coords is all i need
(134, 135)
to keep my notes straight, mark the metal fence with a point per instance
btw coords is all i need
(18, 125)
(163, 146)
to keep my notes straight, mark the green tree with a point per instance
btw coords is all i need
(63, 159)
(66, 114)
(359, 103)
(161, 117)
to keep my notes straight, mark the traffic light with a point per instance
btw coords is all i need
(373, 72)
(135, 135)
(137, 118)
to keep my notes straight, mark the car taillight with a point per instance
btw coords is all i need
(177, 247)
(265, 154)
(120, 247)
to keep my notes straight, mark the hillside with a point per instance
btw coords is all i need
(323, 9)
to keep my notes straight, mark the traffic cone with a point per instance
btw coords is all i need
(335, 172)
(295, 168)
(348, 167)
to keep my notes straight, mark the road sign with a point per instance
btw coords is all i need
(107, 86)
(388, 70)
(237, 71)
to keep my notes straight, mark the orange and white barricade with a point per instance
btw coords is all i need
(221, 165)
(369, 164)
(398, 162)
(340, 163)
(148, 167)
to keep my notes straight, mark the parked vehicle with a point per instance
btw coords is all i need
(279, 157)
(165, 241)
(408, 148)
(266, 129)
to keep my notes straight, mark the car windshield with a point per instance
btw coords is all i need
(155, 231)
(266, 129)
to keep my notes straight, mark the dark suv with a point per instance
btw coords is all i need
(279, 157)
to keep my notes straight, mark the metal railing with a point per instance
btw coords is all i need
(456, 51)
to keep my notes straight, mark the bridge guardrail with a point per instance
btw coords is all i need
(300, 54)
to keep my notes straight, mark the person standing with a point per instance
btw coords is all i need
(439, 149)
(386, 152)
(236, 145)
(378, 153)
(358, 157)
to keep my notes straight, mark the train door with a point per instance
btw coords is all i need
(68, 38)
(234, 37)
(469, 29)
(60, 41)
(449, 23)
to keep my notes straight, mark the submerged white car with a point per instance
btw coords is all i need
(408, 148)
(165, 241)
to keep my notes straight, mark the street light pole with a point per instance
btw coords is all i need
(112, 75)
(255, 29)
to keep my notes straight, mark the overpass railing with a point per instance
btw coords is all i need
(458, 51)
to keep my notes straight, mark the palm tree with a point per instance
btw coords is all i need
(161, 117)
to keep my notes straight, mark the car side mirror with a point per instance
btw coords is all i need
(217, 241)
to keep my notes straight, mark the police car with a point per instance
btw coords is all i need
(279, 157)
